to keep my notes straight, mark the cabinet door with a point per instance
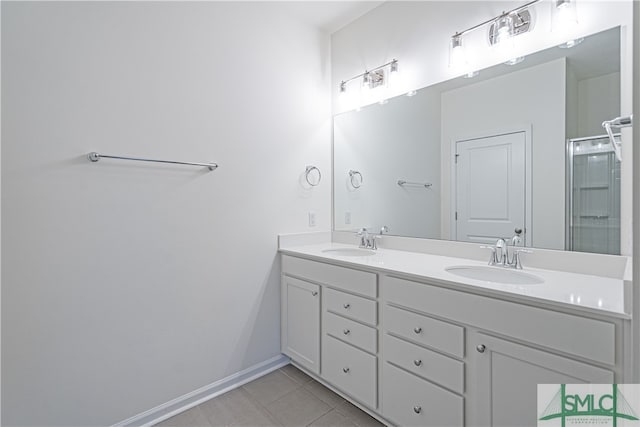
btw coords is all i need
(507, 375)
(301, 322)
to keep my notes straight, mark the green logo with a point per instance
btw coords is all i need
(565, 405)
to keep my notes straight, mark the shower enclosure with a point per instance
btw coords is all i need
(593, 196)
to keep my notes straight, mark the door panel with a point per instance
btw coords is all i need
(490, 187)
(302, 328)
(507, 378)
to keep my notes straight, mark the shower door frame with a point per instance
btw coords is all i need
(568, 242)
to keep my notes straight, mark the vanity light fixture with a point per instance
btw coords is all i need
(502, 30)
(371, 79)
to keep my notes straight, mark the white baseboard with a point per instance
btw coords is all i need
(196, 397)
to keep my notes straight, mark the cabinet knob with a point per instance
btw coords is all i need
(345, 370)
(417, 330)
(417, 362)
(417, 409)
(314, 293)
(481, 348)
(346, 332)
(347, 306)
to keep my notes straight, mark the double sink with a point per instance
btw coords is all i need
(483, 273)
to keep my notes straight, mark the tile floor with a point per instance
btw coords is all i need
(285, 397)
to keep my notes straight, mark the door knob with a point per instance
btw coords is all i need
(417, 409)
(417, 329)
(481, 348)
(417, 362)
(345, 370)
(346, 332)
(347, 306)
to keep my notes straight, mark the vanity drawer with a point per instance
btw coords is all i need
(356, 281)
(349, 369)
(428, 364)
(410, 401)
(564, 332)
(425, 330)
(352, 332)
(351, 306)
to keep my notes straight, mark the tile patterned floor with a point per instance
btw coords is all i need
(286, 397)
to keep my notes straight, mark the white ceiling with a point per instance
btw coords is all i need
(329, 16)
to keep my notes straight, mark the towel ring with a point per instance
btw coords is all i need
(352, 174)
(308, 171)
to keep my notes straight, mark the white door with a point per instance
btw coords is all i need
(490, 188)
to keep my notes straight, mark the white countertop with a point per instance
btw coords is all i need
(580, 292)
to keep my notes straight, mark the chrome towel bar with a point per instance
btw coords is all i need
(402, 182)
(94, 157)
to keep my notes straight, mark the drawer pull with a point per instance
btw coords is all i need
(481, 348)
(417, 409)
(347, 306)
(346, 332)
(345, 370)
(417, 330)
(417, 362)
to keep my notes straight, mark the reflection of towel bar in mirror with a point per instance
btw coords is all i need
(617, 123)
(402, 182)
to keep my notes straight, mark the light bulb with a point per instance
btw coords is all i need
(503, 29)
(366, 81)
(457, 60)
(394, 74)
(565, 21)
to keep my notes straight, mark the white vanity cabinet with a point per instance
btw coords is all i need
(344, 324)
(510, 349)
(417, 353)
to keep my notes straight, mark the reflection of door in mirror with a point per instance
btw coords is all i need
(490, 187)
(593, 176)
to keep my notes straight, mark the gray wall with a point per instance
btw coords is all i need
(126, 285)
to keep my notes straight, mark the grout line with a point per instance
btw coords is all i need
(330, 409)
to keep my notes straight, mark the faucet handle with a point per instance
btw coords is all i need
(384, 229)
(516, 263)
(493, 259)
(361, 231)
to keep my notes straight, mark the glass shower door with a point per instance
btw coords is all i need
(594, 196)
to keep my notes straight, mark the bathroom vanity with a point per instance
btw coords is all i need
(397, 334)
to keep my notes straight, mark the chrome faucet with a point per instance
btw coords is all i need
(500, 252)
(503, 257)
(370, 241)
(364, 237)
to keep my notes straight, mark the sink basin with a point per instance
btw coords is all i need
(495, 275)
(349, 252)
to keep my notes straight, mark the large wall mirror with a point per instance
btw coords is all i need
(517, 147)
